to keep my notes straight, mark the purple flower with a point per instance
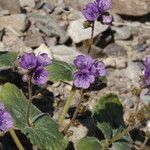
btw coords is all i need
(88, 71)
(28, 61)
(83, 79)
(98, 11)
(100, 69)
(5, 119)
(147, 73)
(40, 76)
(43, 60)
(106, 19)
(91, 12)
(104, 5)
(83, 62)
(35, 67)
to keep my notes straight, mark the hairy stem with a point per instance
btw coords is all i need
(75, 113)
(29, 103)
(78, 106)
(92, 37)
(123, 133)
(15, 139)
(66, 107)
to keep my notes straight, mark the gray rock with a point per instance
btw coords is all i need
(12, 6)
(28, 3)
(64, 53)
(121, 33)
(133, 72)
(49, 26)
(117, 18)
(33, 40)
(79, 34)
(4, 12)
(131, 7)
(13, 43)
(16, 21)
(115, 50)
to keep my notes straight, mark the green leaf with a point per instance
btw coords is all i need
(89, 143)
(44, 134)
(60, 70)
(122, 144)
(7, 59)
(108, 114)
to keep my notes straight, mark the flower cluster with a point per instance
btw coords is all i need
(98, 11)
(5, 119)
(34, 66)
(147, 73)
(88, 71)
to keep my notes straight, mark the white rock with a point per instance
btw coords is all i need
(79, 34)
(29, 3)
(133, 72)
(119, 63)
(17, 21)
(64, 53)
(148, 126)
(144, 97)
(78, 133)
(43, 49)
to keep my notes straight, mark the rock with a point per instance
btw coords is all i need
(14, 43)
(141, 47)
(34, 40)
(125, 7)
(12, 6)
(115, 62)
(117, 18)
(28, 3)
(115, 50)
(17, 21)
(49, 26)
(131, 7)
(43, 49)
(133, 72)
(79, 34)
(64, 53)
(4, 12)
(50, 41)
(144, 97)
(78, 133)
(122, 33)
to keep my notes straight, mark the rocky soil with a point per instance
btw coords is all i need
(55, 27)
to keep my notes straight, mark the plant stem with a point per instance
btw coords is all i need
(121, 134)
(66, 107)
(78, 106)
(75, 113)
(92, 37)
(15, 139)
(29, 103)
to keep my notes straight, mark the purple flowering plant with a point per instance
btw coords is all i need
(97, 11)
(34, 66)
(87, 71)
(6, 122)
